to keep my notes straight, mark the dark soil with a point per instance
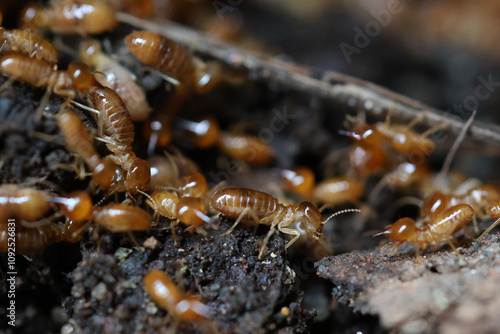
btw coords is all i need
(444, 293)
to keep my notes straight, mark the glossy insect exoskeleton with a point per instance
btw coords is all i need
(70, 17)
(27, 43)
(167, 295)
(261, 208)
(438, 229)
(119, 131)
(246, 148)
(118, 78)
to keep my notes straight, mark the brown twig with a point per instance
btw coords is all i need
(349, 91)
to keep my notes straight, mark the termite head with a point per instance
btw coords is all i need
(313, 220)
(33, 16)
(402, 230)
(366, 135)
(138, 176)
(81, 76)
(88, 52)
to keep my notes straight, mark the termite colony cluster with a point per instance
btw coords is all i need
(120, 135)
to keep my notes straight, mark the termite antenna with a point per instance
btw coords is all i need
(145, 194)
(339, 213)
(456, 145)
(495, 223)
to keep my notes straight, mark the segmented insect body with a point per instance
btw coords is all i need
(165, 294)
(104, 171)
(246, 148)
(163, 54)
(118, 78)
(118, 217)
(118, 127)
(70, 17)
(30, 240)
(22, 203)
(336, 191)
(27, 43)
(443, 225)
(37, 73)
(479, 198)
(261, 208)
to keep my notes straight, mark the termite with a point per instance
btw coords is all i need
(405, 140)
(119, 130)
(163, 54)
(78, 141)
(118, 217)
(203, 131)
(167, 295)
(70, 17)
(166, 170)
(172, 59)
(252, 205)
(37, 73)
(300, 180)
(118, 78)
(31, 240)
(27, 43)
(440, 228)
(246, 148)
(188, 210)
(335, 191)
(22, 203)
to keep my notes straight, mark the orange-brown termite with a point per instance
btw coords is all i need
(27, 43)
(70, 17)
(119, 134)
(405, 140)
(116, 77)
(163, 54)
(37, 73)
(246, 148)
(204, 131)
(335, 191)
(188, 210)
(172, 59)
(300, 180)
(28, 241)
(479, 198)
(261, 208)
(442, 226)
(167, 295)
(78, 141)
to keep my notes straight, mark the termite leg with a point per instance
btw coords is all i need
(134, 241)
(467, 231)
(290, 231)
(243, 213)
(263, 248)
(454, 248)
(476, 227)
